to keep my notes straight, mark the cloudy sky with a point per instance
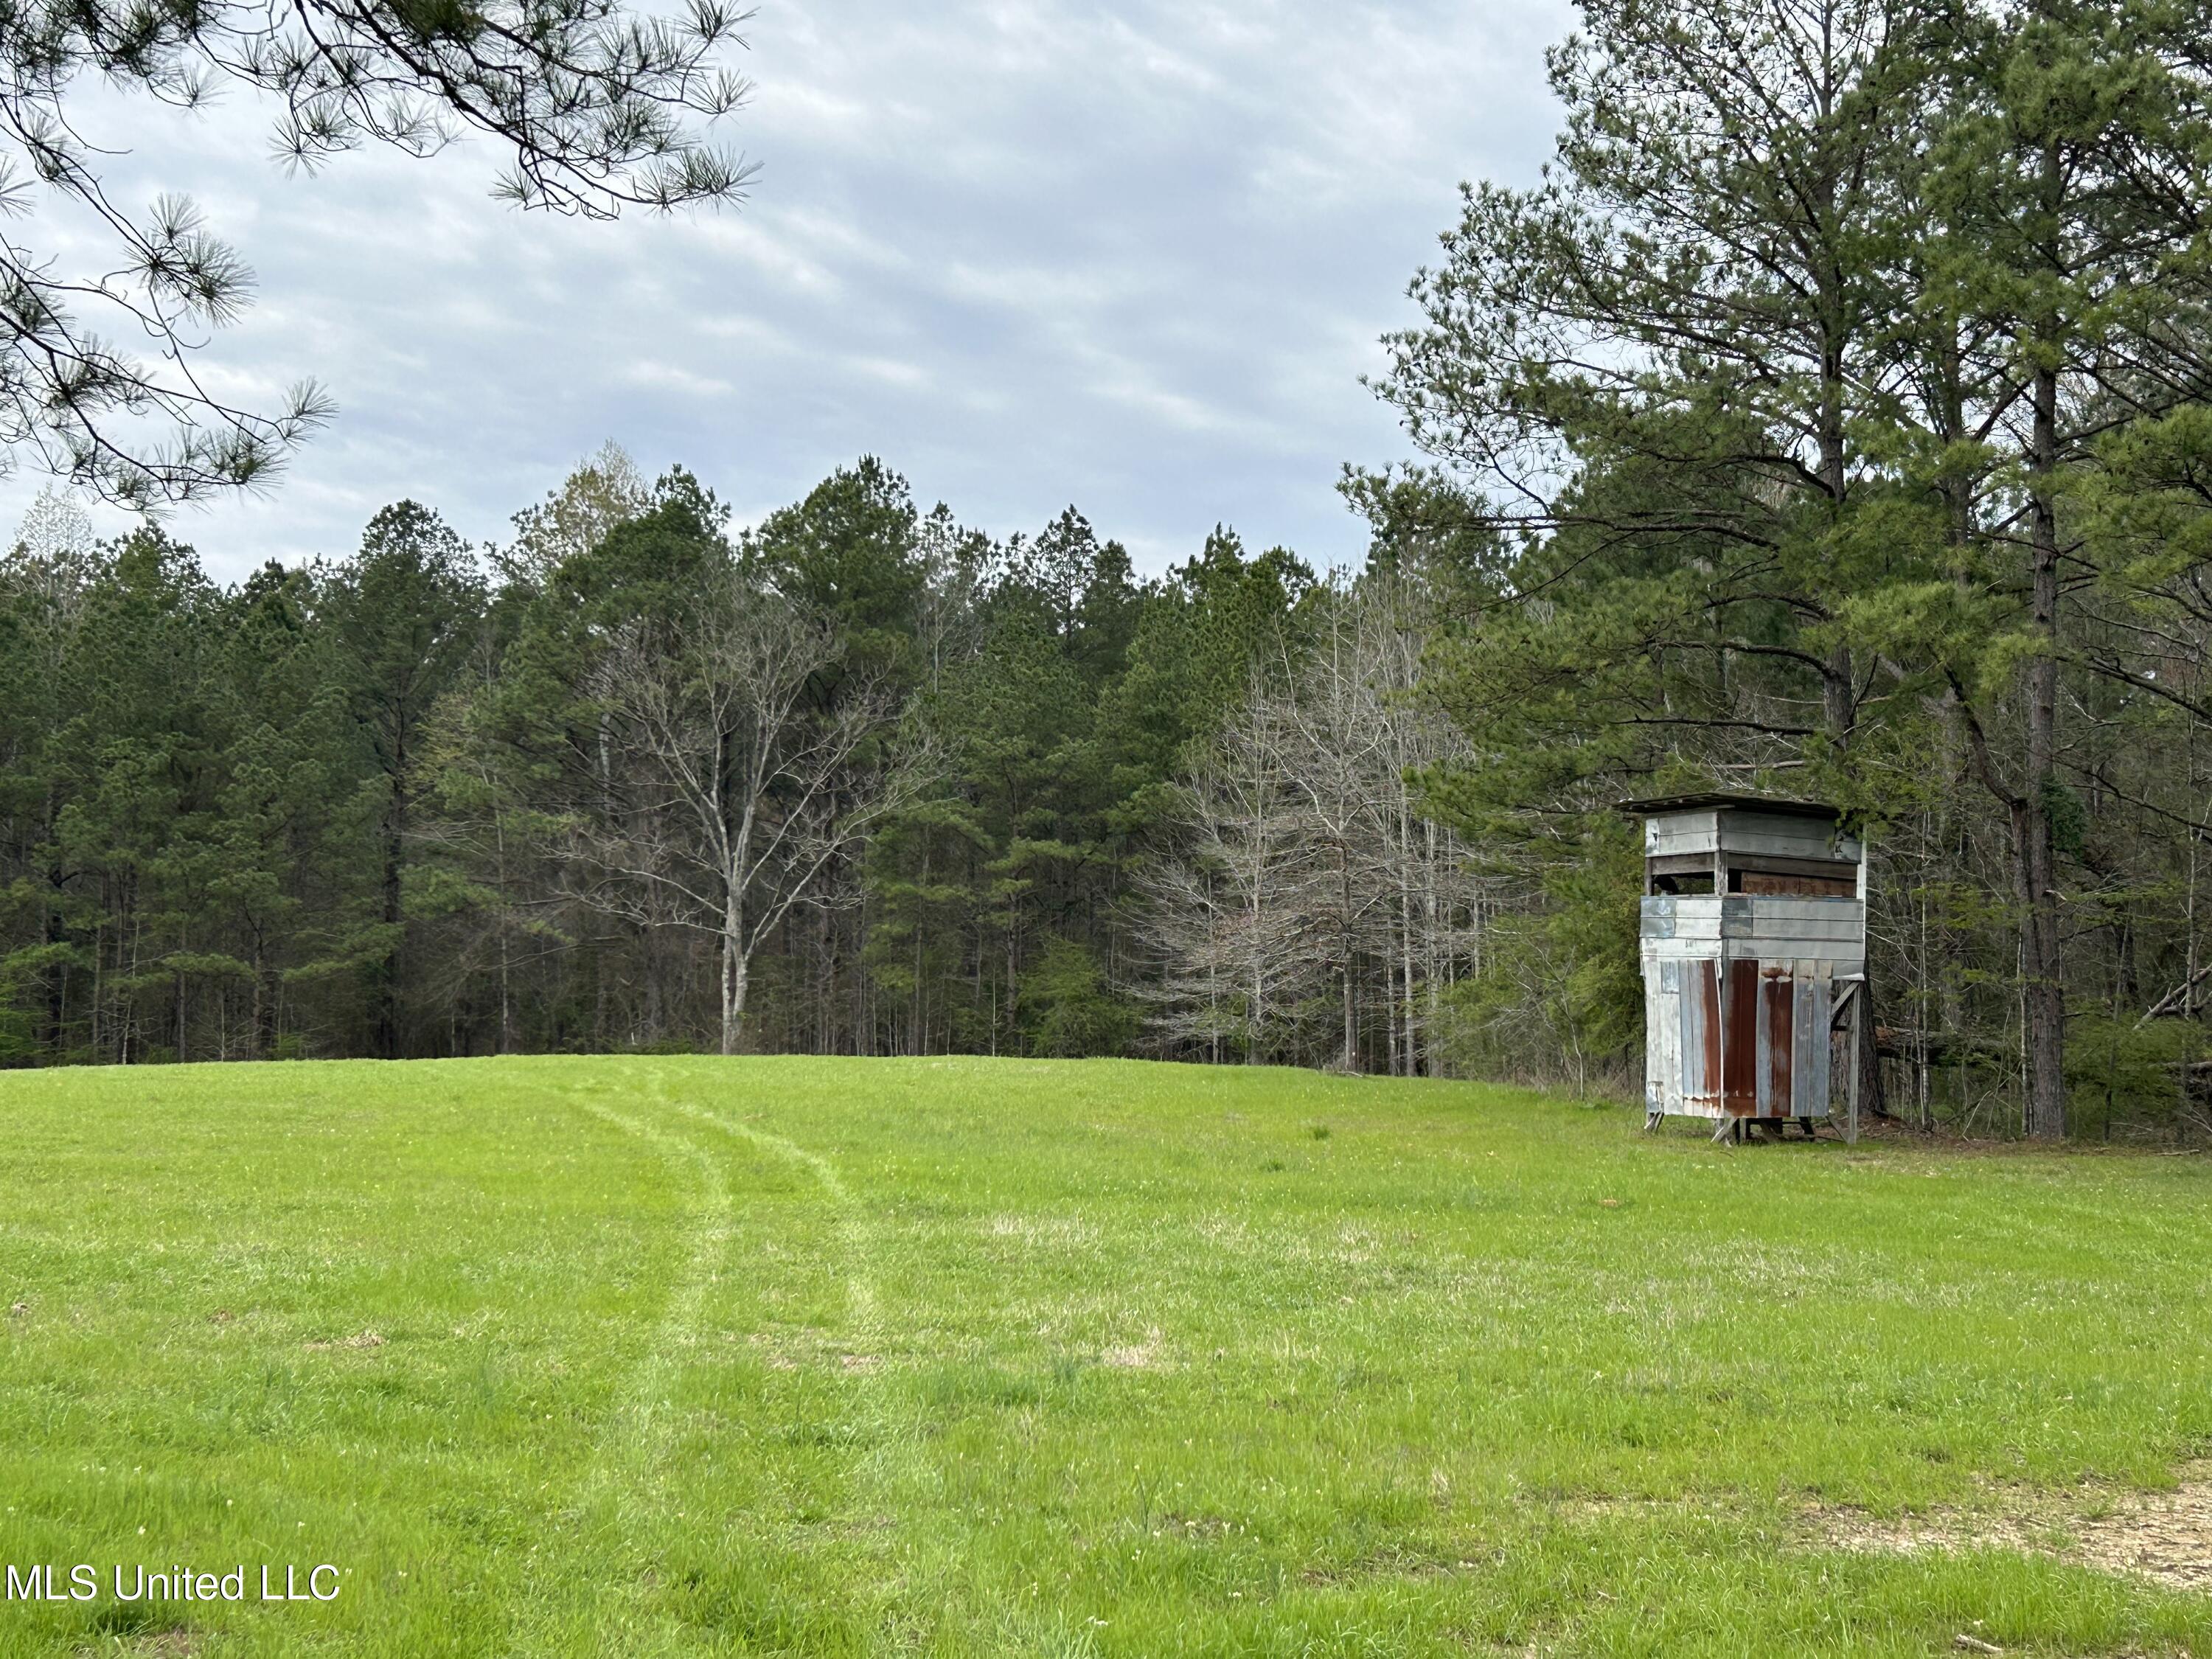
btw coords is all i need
(1129, 256)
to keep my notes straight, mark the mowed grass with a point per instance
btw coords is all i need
(688, 1356)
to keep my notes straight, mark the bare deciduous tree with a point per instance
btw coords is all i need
(1306, 878)
(742, 778)
(1223, 914)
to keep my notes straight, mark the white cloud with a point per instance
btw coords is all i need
(1133, 256)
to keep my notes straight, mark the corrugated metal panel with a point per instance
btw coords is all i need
(1746, 842)
(1700, 1029)
(1810, 1039)
(1791, 946)
(1672, 972)
(1655, 1038)
(1764, 920)
(1777, 913)
(1834, 952)
(1702, 923)
(1776, 1041)
(1783, 836)
(1682, 832)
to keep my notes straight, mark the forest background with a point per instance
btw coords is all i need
(1833, 419)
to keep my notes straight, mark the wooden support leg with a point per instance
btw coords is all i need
(1851, 1123)
(1652, 1119)
(1724, 1131)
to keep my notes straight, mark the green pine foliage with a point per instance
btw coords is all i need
(1834, 410)
(346, 809)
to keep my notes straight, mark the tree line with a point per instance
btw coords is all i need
(853, 780)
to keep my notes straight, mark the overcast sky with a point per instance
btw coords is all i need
(1133, 256)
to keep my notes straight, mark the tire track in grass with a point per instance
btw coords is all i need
(602, 1548)
(634, 1444)
(852, 1217)
(627, 1466)
(895, 1457)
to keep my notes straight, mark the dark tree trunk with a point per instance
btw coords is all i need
(386, 1011)
(2036, 863)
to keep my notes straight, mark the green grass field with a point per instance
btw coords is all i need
(689, 1356)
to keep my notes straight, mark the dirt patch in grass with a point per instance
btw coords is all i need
(2166, 1537)
(360, 1339)
(1143, 1356)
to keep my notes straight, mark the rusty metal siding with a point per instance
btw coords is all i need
(1777, 1008)
(1740, 986)
(1739, 1040)
(1759, 884)
(1738, 993)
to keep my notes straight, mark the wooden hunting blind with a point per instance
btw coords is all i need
(1754, 945)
